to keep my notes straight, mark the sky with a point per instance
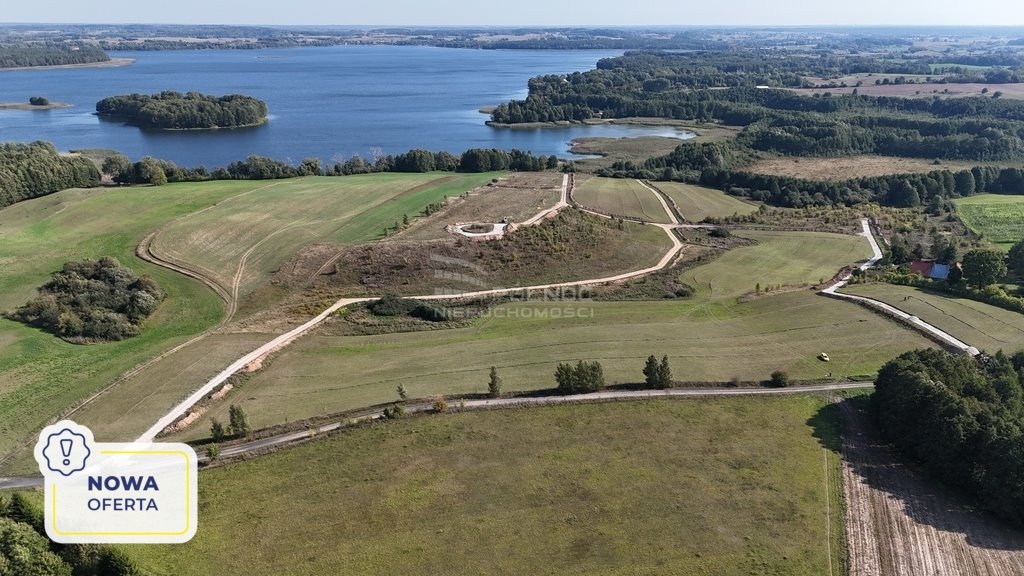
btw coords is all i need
(525, 12)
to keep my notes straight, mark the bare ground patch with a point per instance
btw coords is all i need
(900, 523)
(848, 167)
(517, 197)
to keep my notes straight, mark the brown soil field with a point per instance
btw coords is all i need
(922, 90)
(898, 522)
(847, 167)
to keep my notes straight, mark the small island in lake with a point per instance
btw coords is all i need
(191, 111)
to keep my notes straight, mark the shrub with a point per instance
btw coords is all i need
(494, 384)
(92, 300)
(779, 379)
(394, 412)
(582, 378)
(38, 101)
(439, 404)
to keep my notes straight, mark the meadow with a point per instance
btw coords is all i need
(42, 376)
(240, 242)
(722, 486)
(789, 259)
(999, 218)
(848, 167)
(983, 326)
(621, 197)
(697, 202)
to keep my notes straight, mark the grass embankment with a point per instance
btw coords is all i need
(621, 197)
(999, 218)
(697, 202)
(983, 326)
(730, 486)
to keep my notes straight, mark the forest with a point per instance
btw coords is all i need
(36, 169)
(170, 110)
(746, 89)
(50, 54)
(961, 418)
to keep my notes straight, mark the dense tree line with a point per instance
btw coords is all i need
(36, 169)
(962, 419)
(50, 54)
(153, 171)
(171, 110)
(92, 300)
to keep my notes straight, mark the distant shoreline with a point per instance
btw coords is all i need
(112, 63)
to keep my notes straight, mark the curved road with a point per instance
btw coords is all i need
(283, 340)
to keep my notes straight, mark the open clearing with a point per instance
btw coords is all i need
(981, 325)
(621, 197)
(999, 218)
(723, 486)
(950, 90)
(324, 373)
(239, 243)
(900, 523)
(792, 259)
(849, 167)
(697, 202)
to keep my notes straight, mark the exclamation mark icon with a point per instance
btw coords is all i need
(65, 449)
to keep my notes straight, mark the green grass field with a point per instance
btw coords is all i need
(705, 487)
(788, 258)
(269, 224)
(40, 375)
(621, 197)
(323, 374)
(697, 202)
(1000, 218)
(983, 326)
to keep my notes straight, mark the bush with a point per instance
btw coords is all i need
(719, 233)
(394, 412)
(92, 300)
(38, 101)
(439, 404)
(779, 379)
(393, 306)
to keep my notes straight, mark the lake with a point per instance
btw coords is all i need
(328, 102)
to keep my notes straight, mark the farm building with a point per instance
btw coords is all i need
(930, 269)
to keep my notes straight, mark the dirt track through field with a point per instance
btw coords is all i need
(900, 524)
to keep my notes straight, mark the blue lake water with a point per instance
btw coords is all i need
(328, 103)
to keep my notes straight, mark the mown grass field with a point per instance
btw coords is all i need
(621, 197)
(697, 202)
(792, 259)
(41, 376)
(847, 167)
(705, 487)
(266, 226)
(983, 326)
(1000, 218)
(323, 373)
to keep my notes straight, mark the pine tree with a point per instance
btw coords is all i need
(217, 431)
(664, 373)
(651, 372)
